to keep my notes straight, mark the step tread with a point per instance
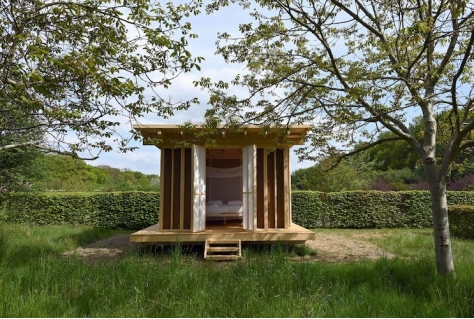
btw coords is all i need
(222, 257)
(222, 249)
(213, 248)
(223, 242)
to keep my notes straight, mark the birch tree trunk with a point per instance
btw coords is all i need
(442, 239)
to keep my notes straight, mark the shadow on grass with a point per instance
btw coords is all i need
(265, 250)
(253, 250)
(88, 236)
(169, 250)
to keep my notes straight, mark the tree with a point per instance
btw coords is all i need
(346, 176)
(20, 166)
(355, 68)
(73, 68)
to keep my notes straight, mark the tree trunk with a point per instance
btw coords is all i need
(444, 256)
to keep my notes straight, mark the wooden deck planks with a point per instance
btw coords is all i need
(292, 234)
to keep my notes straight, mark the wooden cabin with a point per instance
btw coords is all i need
(237, 190)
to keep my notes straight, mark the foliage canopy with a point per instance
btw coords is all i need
(72, 69)
(356, 69)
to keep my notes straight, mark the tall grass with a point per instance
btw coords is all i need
(44, 284)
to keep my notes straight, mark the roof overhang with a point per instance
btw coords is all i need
(165, 136)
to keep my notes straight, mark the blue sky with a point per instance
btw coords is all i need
(147, 158)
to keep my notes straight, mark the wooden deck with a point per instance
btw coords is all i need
(231, 231)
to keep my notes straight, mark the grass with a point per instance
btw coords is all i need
(35, 281)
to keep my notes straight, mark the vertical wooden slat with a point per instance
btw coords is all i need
(265, 190)
(280, 188)
(254, 187)
(187, 189)
(260, 190)
(166, 191)
(172, 189)
(193, 193)
(245, 188)
(275, 188)
(162, 187)
(286, 186)
(181, 192)
(290, 207)
(270, 203)
(176, 223)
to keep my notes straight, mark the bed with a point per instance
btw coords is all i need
(217, 210)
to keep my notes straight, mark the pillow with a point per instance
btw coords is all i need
(214, 202)
(235, 202)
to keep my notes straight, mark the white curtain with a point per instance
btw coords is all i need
(248, 189)
(199, 188)
(212, 172)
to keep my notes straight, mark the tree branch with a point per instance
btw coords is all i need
(10, 146)
(364, 148)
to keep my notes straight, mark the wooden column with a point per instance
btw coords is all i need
(162, 186)
(175, 193)
(273, 187)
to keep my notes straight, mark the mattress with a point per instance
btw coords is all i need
(223, 209)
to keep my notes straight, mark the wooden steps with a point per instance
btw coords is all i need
(223, 250)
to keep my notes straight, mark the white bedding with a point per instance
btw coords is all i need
(223, 209)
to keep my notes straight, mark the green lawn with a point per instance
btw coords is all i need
(36, 281)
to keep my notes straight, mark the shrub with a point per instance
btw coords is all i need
(133, 210)
(372, 209)
(461, 221)
(308, 208)
(137, 210)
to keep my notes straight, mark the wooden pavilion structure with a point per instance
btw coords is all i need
(237, 190)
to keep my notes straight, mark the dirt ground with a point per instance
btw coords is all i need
(328, 247)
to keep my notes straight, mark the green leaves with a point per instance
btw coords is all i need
(411, 209)
(132, 210)
(69, 65)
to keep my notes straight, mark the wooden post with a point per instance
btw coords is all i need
(162, 187)
(288, 172)
(275, 186)
(181, 191)
(286, 186)
(172, 189)
(265, 189)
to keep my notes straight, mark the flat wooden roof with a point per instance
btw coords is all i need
(165, 135)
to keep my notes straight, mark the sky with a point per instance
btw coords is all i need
(146, 159)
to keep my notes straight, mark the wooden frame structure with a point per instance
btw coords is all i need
(264, 187)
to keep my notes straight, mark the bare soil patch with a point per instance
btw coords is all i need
(339, 248)
(105, 249)
(329, 248)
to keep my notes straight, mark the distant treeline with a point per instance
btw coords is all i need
(39, 172)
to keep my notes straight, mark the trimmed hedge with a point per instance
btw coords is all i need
(137, 210)
(461, 221)
(133, 210)
(371, 209)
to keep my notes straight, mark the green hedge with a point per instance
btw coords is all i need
(371, 209)
(137, 210)
(461, 221)
(133, 210)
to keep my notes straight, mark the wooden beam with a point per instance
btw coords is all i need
(294, 234)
